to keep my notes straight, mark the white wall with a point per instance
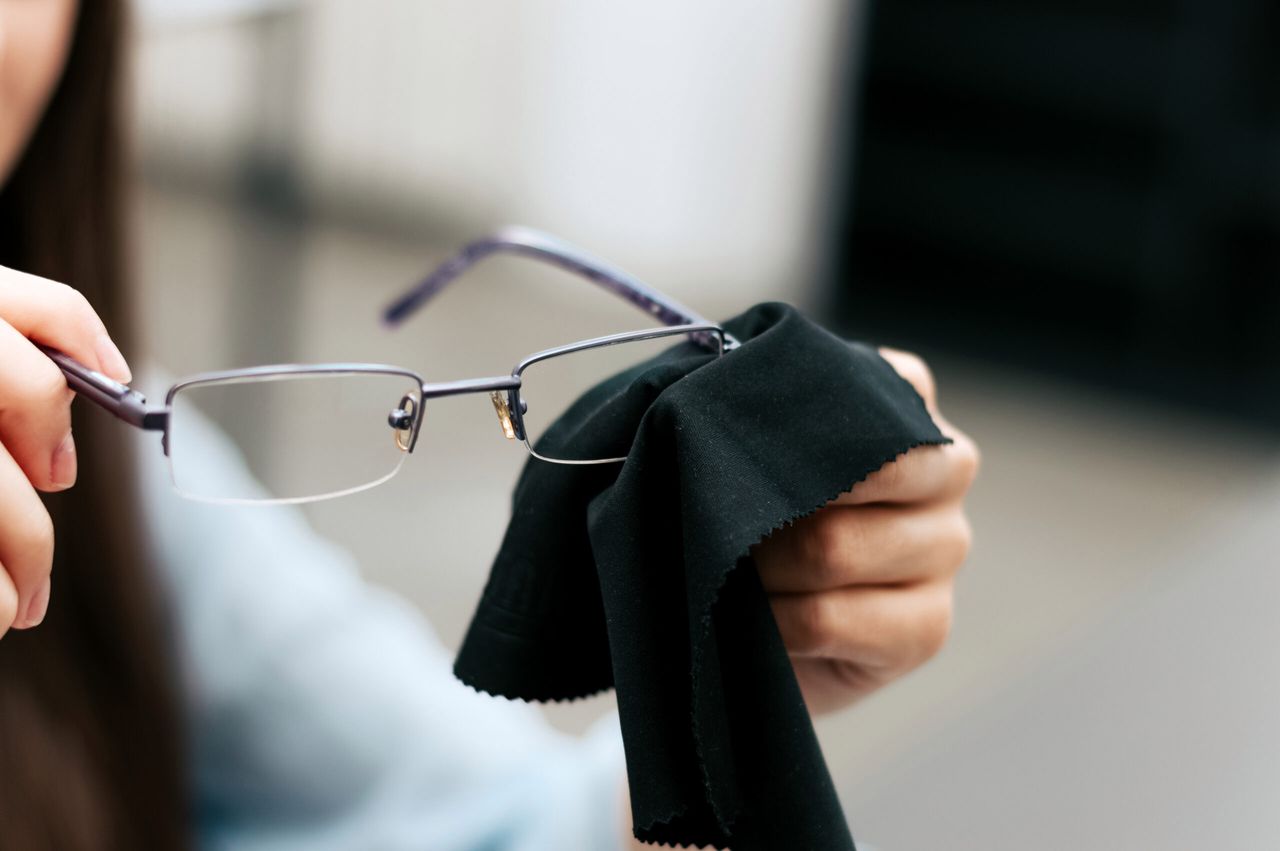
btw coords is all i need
(680, 139)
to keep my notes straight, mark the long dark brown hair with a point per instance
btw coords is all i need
(90, 741)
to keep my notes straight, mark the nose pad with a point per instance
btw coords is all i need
(504, 414)
(517, 421)
(402, 420)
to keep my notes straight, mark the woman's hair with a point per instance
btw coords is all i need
(90, 740)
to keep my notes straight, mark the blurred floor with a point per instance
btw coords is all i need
(1112, 680)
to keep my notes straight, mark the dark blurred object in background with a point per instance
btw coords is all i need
(1086, 188)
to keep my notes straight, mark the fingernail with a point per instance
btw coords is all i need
(113, 363)
(63, 470)
(38, 606)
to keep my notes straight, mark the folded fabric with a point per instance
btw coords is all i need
(638, 575)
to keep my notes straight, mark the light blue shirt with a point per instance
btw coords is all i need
(323, 712)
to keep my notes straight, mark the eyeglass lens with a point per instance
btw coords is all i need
(301, 436)
(307, 436)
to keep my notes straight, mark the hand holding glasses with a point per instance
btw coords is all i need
(361, 419)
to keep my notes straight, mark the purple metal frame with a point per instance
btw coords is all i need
(123, 401)
(131, 406)
(534, 244)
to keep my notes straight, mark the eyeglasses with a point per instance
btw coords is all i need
(317, 431)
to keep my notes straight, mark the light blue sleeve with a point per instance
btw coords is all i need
(323, 712)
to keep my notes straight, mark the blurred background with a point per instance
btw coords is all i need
(1072, 209)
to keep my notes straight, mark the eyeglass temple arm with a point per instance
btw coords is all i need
(122, 401)
(536, 245)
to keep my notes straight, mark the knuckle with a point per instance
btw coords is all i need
(838, 547)
(964, 536)
(955, 542)
(49, 387)
(33, 537)
(42, 386)
(935, 625)
(8, 605)
(967, 460)
(892, 476)
(78, 308)
(913, 368)
(814, 624)
(824, 541)
(71, 298)
(975, 454)
(917, 631)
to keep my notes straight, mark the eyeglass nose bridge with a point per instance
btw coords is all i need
(503, 392)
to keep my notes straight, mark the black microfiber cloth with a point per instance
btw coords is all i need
(637, 575)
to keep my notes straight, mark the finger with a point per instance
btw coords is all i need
(935, 473)
(888, 630)
(35, 413)
(913, 368)
(949, 429)
(8, 602)
(26, 541)
(57, 315)
(867, 545)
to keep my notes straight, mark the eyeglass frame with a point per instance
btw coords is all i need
(132, 407)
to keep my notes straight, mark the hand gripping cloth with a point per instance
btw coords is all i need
(637, 575)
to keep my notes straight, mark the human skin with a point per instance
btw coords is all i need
(37, 451)
(36, 448)
(34, 38)
(861, 591)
